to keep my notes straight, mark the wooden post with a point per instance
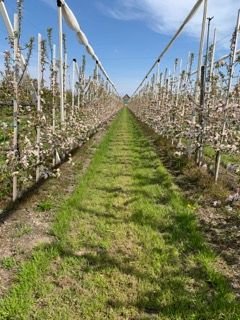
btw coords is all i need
(207, 45)
(97, 73)
(211, 69)
(160, 89)
(65, 81)
(39, 108)
(73, 84)
(202, 39)
(201, 117)
(54, 90)
(60, 30)
(54, 100)
(164, 85)
(178, 86)
(77, 70)
(15, 108)
(200, 53)
(173, 86)
(188, 81)
(157, 82)
(231, 73)
(96, 82)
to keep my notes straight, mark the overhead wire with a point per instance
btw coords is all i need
(179, 31)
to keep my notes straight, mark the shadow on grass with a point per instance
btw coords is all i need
(175, 294)
(185, 292)
(99, 214)
(182, 286)
(171, 266)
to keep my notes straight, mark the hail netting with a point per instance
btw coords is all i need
(71, 20)
(185, 22)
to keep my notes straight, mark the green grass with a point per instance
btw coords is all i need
(8, 263)
(226, 158)
(128, 247)
(22, 229)
(45, 206)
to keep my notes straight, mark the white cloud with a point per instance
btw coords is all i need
(50, 3)
(165, 16)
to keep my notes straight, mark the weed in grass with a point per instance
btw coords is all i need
(45, 206)
(8, 263)
(22, 229)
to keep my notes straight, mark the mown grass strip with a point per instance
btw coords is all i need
(20, 298)
(128, 246)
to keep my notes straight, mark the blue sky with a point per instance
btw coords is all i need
(127, 35)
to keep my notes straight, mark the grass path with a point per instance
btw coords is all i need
(127, 247)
